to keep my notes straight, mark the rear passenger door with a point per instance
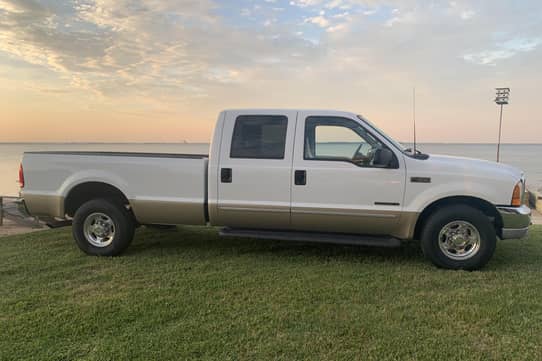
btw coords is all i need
(255, 168)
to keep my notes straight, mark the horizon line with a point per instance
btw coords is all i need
(208, 142)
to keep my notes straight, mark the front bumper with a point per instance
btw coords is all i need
(515, 221)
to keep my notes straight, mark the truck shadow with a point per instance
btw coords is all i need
(205, 241)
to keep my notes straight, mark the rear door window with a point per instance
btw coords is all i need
(259, 136)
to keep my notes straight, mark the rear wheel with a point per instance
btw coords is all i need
(459, 237)
(103, 228)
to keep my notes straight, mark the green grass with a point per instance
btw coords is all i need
(188, 294)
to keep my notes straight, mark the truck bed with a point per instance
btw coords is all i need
(162, 188)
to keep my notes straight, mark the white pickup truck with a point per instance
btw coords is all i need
(309, 175)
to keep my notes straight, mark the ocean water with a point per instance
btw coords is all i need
(524, 156)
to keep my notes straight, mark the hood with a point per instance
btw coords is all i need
(448, 169)
(474, 166)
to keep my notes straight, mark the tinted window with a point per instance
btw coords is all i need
(259, 136)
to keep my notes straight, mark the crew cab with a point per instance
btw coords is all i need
(306, 175)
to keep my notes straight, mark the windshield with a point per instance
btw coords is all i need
(381, 133)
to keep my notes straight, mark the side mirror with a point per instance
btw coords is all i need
(383, 157)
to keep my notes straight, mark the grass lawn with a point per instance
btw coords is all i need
(188, 294)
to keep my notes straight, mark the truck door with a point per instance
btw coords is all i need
(255, 169)
(337, 187)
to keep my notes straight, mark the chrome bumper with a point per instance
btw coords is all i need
(515, 221)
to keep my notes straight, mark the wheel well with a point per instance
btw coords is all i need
(85, 192)
(484, 206)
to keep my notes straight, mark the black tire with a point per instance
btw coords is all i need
(445, 216)
(116, 215)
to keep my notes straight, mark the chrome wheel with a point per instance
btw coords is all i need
(99, 229)
(459, 240)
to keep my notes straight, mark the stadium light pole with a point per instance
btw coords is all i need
(501, 99)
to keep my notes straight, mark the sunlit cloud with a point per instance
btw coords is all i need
(503, 51)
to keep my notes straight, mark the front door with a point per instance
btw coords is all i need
(255, 167)
(337, 185)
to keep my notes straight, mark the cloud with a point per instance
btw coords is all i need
(120, 47)
(336, 28)
(10, 7)
(319, 20)
(341, 15)
(503, 51)
(407, 17)
(305, 3)
(334, 4)
(467, 14)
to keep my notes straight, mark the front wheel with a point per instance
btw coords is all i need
(458, 237)
(103, 228)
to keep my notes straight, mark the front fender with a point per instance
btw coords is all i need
(420, 196)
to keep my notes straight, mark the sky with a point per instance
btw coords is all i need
(161, 70)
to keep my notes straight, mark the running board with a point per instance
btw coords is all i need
(334, 238)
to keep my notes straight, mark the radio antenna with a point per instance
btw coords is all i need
(414, 116)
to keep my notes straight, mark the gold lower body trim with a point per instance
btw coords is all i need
(165, 212)
(44, 205)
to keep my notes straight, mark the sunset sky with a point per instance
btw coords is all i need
(159, 70)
